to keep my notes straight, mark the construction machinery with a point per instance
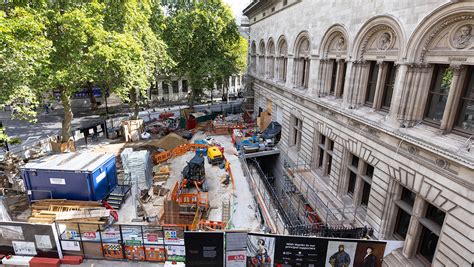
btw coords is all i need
(194, 174)
(214, 155)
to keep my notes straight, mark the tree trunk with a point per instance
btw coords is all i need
(67, 120)
(134, 102)
(90, 91)
(192, 98)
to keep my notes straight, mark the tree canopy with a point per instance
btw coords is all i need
(204, 41)
(51, 47)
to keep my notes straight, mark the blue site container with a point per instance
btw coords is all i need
(73, 176)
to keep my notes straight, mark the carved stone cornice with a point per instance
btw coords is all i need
(443, 25)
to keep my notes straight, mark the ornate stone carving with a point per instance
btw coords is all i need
(341, 43)
(384, 41)
(382, 28)
(412, 150)
(442, 163)
(462, 37)
(437, 30)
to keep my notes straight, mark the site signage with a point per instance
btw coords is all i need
(204, 248)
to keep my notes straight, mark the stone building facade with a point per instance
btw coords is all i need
(376, 98)
(175, 89)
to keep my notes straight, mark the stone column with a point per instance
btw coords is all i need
(418, 83)
(290, 72)
(411, 240)
(379, 88)
(348, 78)
(356, 83)
(455, 91)
(339, 77)
(398, 90)
(313, 75)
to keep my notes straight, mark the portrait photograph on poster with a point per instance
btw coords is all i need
(369, 254)
(260, 250)
(340, 254)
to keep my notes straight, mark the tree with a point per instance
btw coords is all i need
(140, 20)
(24, 54)
(204, 41)
(76, 32)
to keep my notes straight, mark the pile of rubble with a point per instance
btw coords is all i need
(10, 172)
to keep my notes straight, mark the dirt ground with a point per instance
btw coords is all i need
(241, 199)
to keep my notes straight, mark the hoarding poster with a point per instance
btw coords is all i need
(273, 250)
(204, 248)
(260, 250)
(235, 249)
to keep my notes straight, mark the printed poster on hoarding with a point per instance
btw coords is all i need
(43, 242)
(11, 232)
(260, 250)
(176, 253)
(204, 248)
(297, 251)
(172, 238)
(24, 248)
(236, 249)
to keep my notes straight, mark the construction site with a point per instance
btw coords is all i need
(135, 195)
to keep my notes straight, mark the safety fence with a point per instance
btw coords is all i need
(121, 241)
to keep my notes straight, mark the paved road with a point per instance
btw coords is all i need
(50, 124)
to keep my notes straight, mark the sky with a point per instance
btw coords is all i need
(237, 7)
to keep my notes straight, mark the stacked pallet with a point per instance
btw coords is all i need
(49, 211)
(140, 167)
(161, 173)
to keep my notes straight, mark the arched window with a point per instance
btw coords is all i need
(253, 58)
(282, 61)
(332, 66)
(302, 63)
(271, 60)
(440, 88)
(377, 48)
(261, 59)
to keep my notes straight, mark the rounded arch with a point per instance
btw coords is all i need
(446, 32)
(380, 35)
(253, 48)
(261, 47)
(302, 45)
(271, 47)
(335, 42)
(282, 46)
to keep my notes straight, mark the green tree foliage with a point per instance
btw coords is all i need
(24, 54)
(59, 46)
(204, 41)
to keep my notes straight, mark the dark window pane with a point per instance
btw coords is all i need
(372, 84)
(408, 196)
(369, 171)
(355, 161)
(175, 87)
(435, 214)
(331, 145)
(365, 194)
(232, 80)
(428, 242)
(166, 89)
(438, 94)
(402, 223)
(333, 77)
(323, 140)
(321, 157)
(329, 164)
(184, 87)
(388, 86)
(352, 182)
(465, 118)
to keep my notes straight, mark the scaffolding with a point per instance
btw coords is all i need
(296, 208)
(334, 211)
